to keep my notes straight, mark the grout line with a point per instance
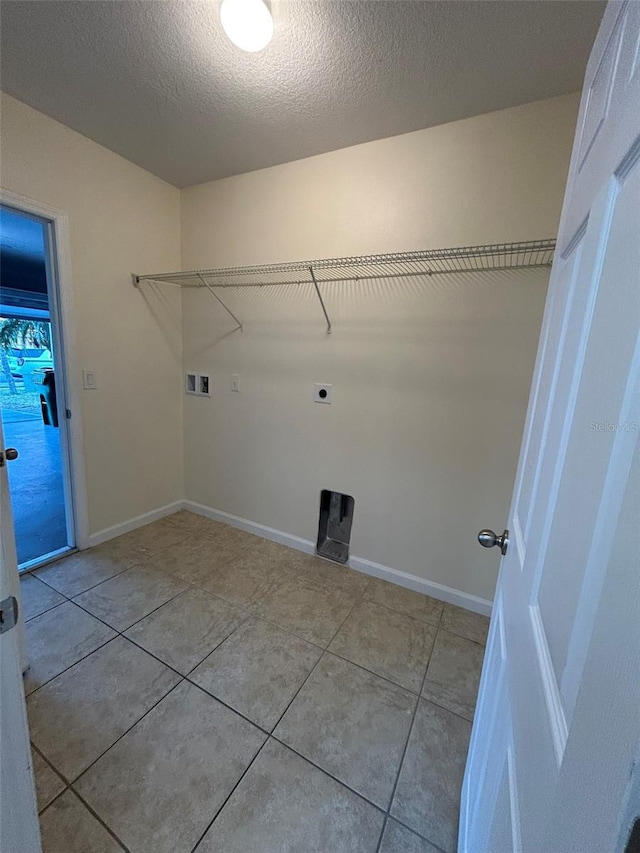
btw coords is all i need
(409, 733)
(228, 797)
(255, 614)
(99, 819)
(306, 759)
(37, 749)
(76, 779)
(326, 772)
(415, 832)
(376, 674)
(66, 669)
(383, 830)
(266, 732)
(461, 637)
(444, 708)
(296, 694)
(119, 630)
(311, 671)
(66, 788)
(48, 610)
(215, 649)
(377, 603)
(93, 586)
(53, 769)
(209, 695)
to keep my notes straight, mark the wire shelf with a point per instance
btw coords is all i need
(464, 259)
(533, 253)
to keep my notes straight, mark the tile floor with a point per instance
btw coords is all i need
(196, 688)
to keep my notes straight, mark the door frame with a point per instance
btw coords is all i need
(62, 318)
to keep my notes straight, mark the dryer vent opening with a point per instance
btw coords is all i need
(334, 526)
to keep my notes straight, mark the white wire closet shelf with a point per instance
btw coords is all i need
(464, 259)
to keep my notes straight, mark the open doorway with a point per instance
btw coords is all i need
(32, 392)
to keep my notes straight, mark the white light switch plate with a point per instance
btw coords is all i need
(322, 393)
(235, 381)
(89, 380)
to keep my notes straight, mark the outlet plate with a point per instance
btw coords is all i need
(322, 393)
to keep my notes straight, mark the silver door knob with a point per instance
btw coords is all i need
(9, 455)
(488, 539)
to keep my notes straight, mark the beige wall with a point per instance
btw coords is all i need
(430, 378)
(121, 220)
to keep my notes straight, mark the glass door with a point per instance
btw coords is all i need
(32, 390)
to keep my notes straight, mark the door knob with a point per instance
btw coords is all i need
(488, 539)
(9, 454)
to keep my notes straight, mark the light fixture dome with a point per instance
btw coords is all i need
(248, 23)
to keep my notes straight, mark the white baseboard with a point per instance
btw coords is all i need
(139, 521)
(435, 590)
(367, 567)
(262, 530)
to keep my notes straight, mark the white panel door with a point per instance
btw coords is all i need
(19, 830)
(557, 729)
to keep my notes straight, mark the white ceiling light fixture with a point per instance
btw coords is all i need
(248, 23)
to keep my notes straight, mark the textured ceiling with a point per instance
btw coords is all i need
(159, 83)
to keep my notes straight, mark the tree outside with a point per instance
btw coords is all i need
(17, 339)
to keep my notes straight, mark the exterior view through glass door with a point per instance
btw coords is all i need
(32, 390)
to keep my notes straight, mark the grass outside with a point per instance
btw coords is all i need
(25, 400)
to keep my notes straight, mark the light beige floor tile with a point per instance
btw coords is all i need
(81, 571)
(130, 596)
(189, 521)
(473, 626)
(59, 638)
(352, 724)
(454, 673)
(247, 578)
(187, 628)
(36, 597)
(324, 573)
(150, 538)
(274, 550)
(123, 550)
(48, 783)
(398, 839)
(388, 643)
(404, 601)
(67, 826)
(427, 798)
(162, 783)
(312, 613)
(257, 671)
(231, 537)
(81, 713)
(285, 805)
(197, 560)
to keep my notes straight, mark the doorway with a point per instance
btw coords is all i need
(32, 389)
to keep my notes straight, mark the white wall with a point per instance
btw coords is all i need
(431, 378)
(122, 220)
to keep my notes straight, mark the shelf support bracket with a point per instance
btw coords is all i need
(319, 295)
(215, 295)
